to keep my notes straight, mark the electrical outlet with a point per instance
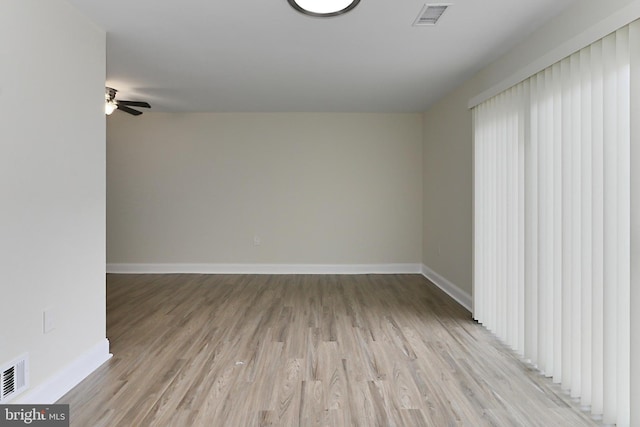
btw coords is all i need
(48, 320)
(256, 240)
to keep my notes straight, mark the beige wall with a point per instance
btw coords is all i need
(448, 150)
(316, 188)
(447, 202)
(52, 184)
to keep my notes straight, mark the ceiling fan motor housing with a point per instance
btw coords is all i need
(111, 93)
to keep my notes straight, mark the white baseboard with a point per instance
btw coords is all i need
(463, 298)
(68, 377)
(264, 268)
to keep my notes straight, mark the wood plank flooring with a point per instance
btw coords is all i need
(305, 350)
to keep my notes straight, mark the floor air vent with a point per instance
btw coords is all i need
(430, 14)
(14, 378)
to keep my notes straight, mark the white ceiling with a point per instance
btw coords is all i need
(261, 55)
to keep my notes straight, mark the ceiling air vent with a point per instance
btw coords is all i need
(430, 14)
(14, 378)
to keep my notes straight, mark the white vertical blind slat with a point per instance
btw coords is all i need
(567, 212)
(623, 310)
(576, 226)
(597, 350)
(545, 225)
(586, 262)
(501, 218)
(531, 223)
(610, 231)
(510, 220)
(492, 218)
(513, 216)
(477, 214)
(557, 223)
(634, 288)
(523, 90)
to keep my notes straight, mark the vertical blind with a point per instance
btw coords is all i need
(552, 221)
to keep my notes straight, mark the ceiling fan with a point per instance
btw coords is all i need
(111, 104)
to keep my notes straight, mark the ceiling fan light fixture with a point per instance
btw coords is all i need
(323, 8)
(109, 107)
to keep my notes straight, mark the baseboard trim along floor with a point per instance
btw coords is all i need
(68, 377)
(402, 268)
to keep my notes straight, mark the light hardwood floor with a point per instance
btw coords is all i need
(250, 350)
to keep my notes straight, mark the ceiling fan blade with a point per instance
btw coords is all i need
(135, 104)
(129, 110)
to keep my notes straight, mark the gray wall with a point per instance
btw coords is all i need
(52, 182)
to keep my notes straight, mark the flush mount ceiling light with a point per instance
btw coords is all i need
(323, 8)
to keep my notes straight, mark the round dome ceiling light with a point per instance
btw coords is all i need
(323, 8)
